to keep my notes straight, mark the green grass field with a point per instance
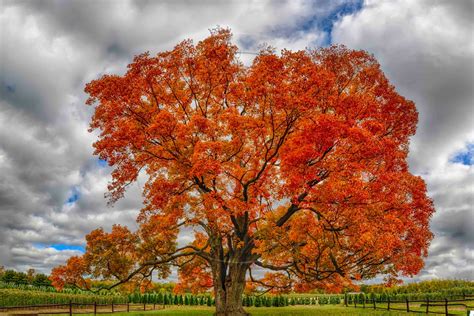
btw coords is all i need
(301, 310)
(267, 311)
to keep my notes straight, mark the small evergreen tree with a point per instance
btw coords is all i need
(281, 301)
(268, 302)
(249, 301)
(275, 301)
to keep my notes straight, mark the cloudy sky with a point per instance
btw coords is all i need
(52, 187)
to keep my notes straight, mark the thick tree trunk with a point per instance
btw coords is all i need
(229, 293)
(229, 268)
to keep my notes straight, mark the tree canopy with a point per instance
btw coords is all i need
(296, 164)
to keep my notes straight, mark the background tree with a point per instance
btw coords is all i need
(30, 275)
(296, 163)
(41, 279)
(9, 276)
(14, 277)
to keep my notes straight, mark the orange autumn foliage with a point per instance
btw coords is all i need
(296, 164)
(71, 274)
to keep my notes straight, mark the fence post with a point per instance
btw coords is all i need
(154, 306)
(373, 301)
(95, 307)
(363, 302)
(427, 305)
(408, 304)
(70, 308)
(112, 306)
(345, 299)
(144, 306)
(355, 303)
(446, 306)
(128, 307)
(388, 305)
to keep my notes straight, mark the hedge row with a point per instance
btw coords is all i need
(170, 299)
(279, 301)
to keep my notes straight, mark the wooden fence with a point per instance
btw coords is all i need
(423, 306)
(79, 308)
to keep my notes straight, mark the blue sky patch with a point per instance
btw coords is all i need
(322, 19)
(466, 156)
(74, 196)
(326, 24)
(102, 163)
(68, 247)
(61, 247)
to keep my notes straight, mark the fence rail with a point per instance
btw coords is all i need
(404, 305)
(81, 308)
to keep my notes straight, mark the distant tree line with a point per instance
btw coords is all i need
(22, 278)
(10, 278)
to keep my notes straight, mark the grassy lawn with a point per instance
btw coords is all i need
(267, 311)
(299, 310)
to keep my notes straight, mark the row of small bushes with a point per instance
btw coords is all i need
(280, 301)
(170, 299)
(257, 301)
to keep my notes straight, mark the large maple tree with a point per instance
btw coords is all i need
(295, 165)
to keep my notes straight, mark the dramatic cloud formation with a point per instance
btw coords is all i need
(52, 187)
